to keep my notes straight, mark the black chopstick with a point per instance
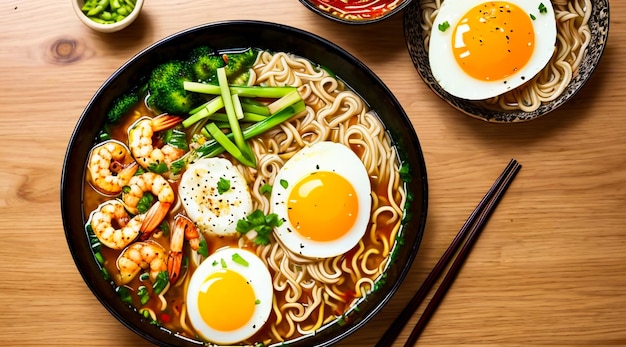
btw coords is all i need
(473, 226)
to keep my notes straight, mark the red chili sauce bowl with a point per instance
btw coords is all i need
(356, 11)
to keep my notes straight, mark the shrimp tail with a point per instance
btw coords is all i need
(128, 171)
(183, 228)
(153, 219)
(174, 264)
(165, 121)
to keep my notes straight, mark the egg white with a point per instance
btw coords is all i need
(321, 156)
(451, 77)
(256, 273)
(214, 211)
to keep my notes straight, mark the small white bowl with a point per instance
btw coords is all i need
(106, 28)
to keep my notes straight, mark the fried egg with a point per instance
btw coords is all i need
(480, 49)
(322, 194)
(229, 297)
(215, 195)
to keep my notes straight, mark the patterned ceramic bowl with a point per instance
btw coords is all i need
(356, 11)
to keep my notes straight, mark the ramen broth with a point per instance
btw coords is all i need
(380, 242)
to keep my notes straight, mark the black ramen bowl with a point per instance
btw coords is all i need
(225, 35)
(356, 12)
(414, 34)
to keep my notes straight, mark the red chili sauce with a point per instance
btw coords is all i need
(357, 9)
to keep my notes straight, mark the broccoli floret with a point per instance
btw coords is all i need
(121, 106)
(238, 65)
(204, 62)
(166, 88)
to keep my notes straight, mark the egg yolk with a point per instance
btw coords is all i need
(323, 206)
(226, 300)
(493, 40)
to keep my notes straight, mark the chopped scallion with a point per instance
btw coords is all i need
(266, 189)
(444, 26)
(223, 185)
(543, 8)
(237, 258)
(161, 282)
(203, 248)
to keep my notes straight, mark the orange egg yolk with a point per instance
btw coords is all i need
(323, 206)
(226, 300)
(493, 40)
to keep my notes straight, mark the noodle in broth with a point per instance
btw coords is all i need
(308, 293)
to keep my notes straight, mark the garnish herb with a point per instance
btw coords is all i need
(99, 257)
(175, 137)
(105, 274)
(145, 202)
(143, 294)
(240, 260)
(103, 136)
(223, 263)
(144, 276)
(266, 189)
(543, 8)
(223, 185)
(405, 172)
(284, 184)
(124, 294)
(214, 263)
(93, 239)
(262, 224)
(257, 301)
(159, 168)
(341, 321)
(177, 165)
(203, 248)
(444, 26)
(160, 282)
(532, 17)
(380, 283)
(145, 313)
(164, 227)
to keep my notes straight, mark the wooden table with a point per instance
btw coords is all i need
(549, 268)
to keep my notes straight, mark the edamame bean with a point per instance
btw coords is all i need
(108, 11)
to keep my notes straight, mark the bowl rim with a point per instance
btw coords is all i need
(313, 8)
(107, 28)
(87, 265)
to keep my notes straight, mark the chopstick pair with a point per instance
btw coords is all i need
(473, 226)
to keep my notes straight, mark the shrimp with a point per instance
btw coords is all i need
(141, 141)
(157, 185)
(183, 228)
(113, 226)
(146, 255)
(108, 169)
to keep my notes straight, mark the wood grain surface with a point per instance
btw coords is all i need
(549, 268)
